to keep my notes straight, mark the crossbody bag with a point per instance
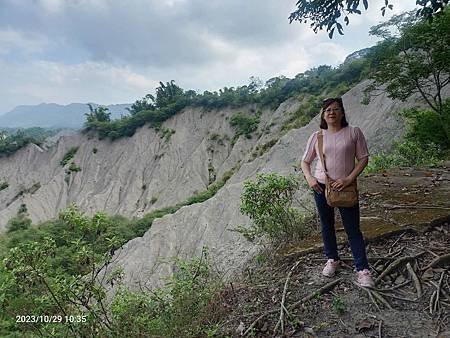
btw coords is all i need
(348, 196)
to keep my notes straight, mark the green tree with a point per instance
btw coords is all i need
(415, 61)
(99, 114)
(146, 103)
(167, 94)
(329, 14)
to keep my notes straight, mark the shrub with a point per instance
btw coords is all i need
(3, 185)
(68, 156)
(244, 124)
(19, 222)
(424, 143)
(179, 309)
(338, 305)
(74, 168)
(166, 133)
(268, 202)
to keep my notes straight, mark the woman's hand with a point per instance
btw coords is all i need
(341, 183)
(312, 182)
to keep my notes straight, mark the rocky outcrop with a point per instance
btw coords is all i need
(131, 176)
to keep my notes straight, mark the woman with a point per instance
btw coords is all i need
(341, 144)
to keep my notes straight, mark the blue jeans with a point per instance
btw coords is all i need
(350, 220)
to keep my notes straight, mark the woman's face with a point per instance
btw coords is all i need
(333, 114)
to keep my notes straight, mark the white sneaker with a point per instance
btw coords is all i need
(330, 268)
(365, 278)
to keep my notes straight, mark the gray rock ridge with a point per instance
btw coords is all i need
(127, 175)
(146, 260)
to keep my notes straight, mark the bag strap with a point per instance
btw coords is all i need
(321, 155)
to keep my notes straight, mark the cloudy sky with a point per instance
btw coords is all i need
(115, 51)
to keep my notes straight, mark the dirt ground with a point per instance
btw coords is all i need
(405, 217)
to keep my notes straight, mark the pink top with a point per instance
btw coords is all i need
(339, 149)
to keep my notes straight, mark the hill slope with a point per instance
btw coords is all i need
(132, 176)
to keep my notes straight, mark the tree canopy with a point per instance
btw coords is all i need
(331, 14)
(414, 61)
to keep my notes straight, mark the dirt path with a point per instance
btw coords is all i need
(405, 218)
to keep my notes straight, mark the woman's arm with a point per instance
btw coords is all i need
(359, 167)
(312, 181)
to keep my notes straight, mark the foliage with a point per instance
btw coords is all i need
(3, 185)
(338, 305)
(305, 112)
(73, 167)
(58, 273)
(68, 156)
(263, 148)
(19, 222)
(333, 14)
(11, 141)
(416, 61)
(424, 143)
(140, 226)
(166, 133)
(244, 124)
(171, 99)
(179, 309)
(268, 202)
(54, 269)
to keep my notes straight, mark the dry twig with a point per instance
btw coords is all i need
(283, 299)
(444, 259)
(320, 291)
(415, 279)
(395, 264)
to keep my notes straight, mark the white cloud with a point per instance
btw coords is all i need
(109, 51)
(20, 42)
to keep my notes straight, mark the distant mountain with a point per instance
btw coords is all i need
(52, 115)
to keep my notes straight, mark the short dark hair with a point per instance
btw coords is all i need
(325, 104)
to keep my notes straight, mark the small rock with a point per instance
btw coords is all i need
(400, 279)
(309, 330)
(240, 329)
(428, 274)
(365, 325)
(264, 327)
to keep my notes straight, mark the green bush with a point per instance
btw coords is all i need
(424, 143)
(166, 133)
(68, 156)
(3, 185)
(338, 305)
(12, 140)
(179, 309)
(74, 168)
(305, 112)
(268, 202)
(20, 222)
(243, 124)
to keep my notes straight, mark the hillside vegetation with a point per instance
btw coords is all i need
(54, 269)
